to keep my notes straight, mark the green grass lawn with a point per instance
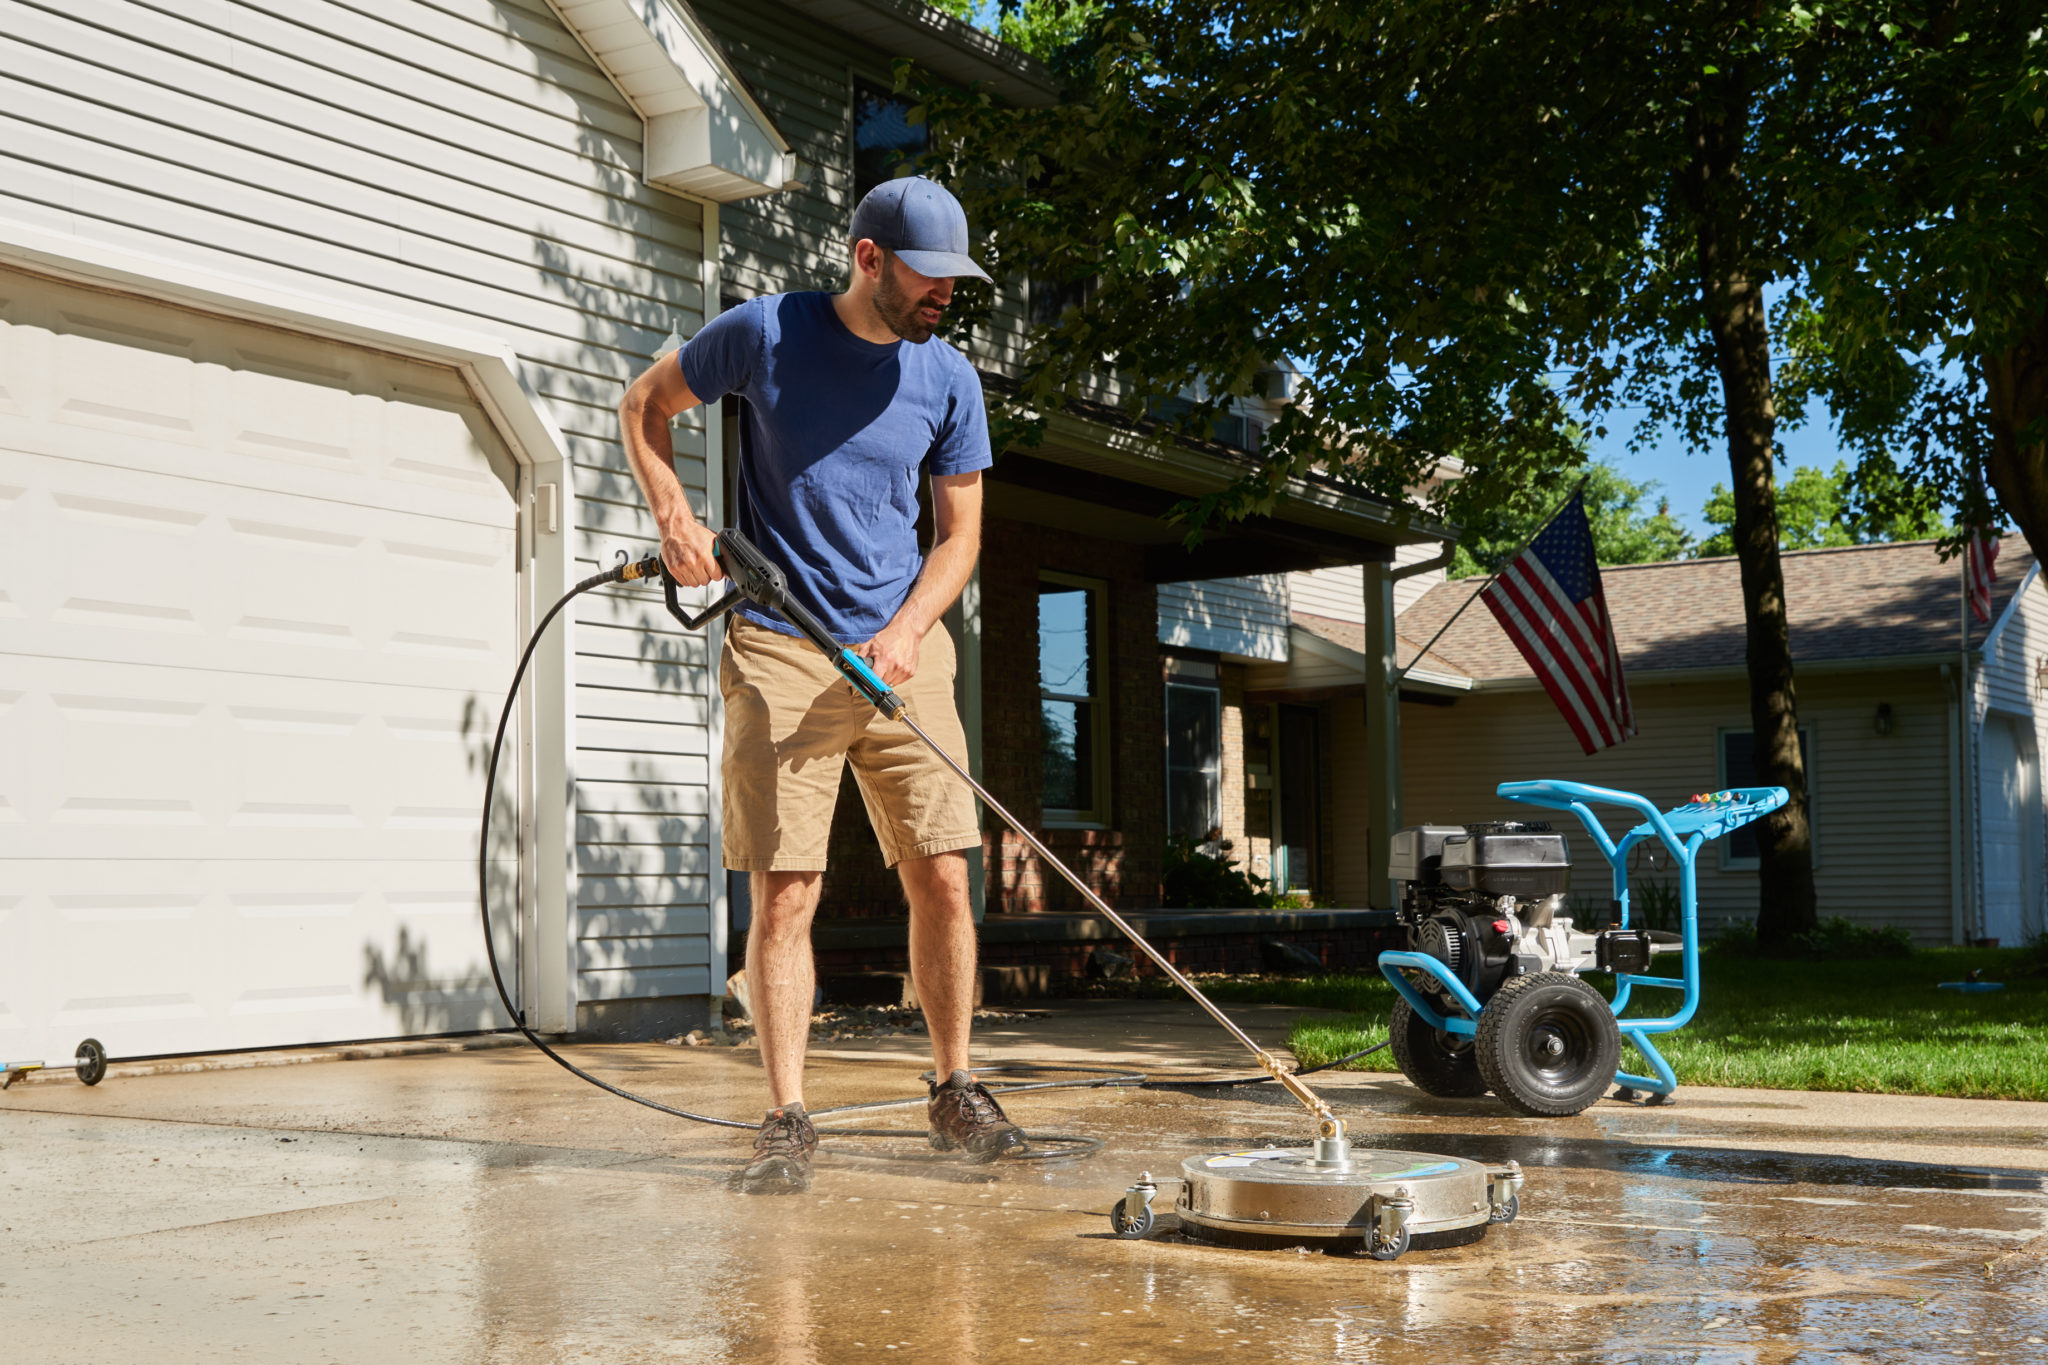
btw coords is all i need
(1874, 1026)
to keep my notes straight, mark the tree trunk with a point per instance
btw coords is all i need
(1731, 293)
(2016, 383)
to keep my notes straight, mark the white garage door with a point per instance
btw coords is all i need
(258, 601)
(2010, 795)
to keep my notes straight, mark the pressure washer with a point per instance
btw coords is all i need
(1490, 996)
(1375, 1201)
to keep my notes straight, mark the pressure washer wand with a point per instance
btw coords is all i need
(758, 579)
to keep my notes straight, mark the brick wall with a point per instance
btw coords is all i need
(1121, 863)
(857, 885)
(1230, 683)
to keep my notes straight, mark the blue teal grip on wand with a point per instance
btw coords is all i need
(870, 683)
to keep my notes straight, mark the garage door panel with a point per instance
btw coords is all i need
(262, 601)
(187, 762)
(222, 555)
(158, 953)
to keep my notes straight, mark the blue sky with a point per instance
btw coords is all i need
(1688, 474)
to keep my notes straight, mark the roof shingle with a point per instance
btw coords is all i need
(1857, 602)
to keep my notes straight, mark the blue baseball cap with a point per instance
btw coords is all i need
(921, 222)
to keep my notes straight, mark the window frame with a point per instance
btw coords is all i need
(1809, 747)
(1095, 816)
(1215, 693)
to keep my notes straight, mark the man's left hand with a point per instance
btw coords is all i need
(893, 652)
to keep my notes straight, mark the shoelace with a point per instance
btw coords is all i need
(786, 1136)
(977, 1106)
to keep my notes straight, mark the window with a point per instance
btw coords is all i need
(886, 143)
(1194, 760)
(1070, 698)
(1738, 769)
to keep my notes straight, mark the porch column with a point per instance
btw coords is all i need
(963, 619)
(1382, 733)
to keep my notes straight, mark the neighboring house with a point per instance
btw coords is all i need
(312, 323)
(1925, 796)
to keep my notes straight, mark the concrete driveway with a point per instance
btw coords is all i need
(485, 1206)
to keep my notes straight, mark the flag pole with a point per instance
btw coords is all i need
(1541, 527)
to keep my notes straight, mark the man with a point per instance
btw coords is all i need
(848, 401)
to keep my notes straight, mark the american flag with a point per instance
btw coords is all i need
(1982, 570)
(1549, 601)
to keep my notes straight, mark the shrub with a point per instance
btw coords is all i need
(1738, 938)
(1655, 905)
(1837, 939)
(1834, 939)
(1195, 879)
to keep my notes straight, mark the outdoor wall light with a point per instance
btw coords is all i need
(1884, 717)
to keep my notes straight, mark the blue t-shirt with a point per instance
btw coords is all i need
(836, 431)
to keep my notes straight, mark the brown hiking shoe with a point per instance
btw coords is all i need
(965, 1116)
(782, 1153)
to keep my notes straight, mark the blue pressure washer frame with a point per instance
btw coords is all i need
(1684, 830)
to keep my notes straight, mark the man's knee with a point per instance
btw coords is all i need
(784, 902)
(936, 883)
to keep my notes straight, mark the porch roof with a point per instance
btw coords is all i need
(1118, 482)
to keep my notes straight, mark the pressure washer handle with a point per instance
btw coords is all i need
(758, 579)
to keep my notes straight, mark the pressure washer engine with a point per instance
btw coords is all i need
(1488, 902)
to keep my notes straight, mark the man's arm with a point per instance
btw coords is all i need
(651, 402)
(956, 519)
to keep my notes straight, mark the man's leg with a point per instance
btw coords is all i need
(964, 1116)
(782, 978)
(942, 952)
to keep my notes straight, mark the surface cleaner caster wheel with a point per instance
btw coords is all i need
(1130, 1223)
(92, 1061)
(1383, 1248)
(1547, 1045)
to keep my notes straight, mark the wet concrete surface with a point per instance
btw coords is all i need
(488, 1207)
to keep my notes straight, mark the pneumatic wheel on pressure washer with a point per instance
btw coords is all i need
(1438, 1063)
(1547, 1044)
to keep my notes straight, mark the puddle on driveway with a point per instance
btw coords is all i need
(138, 1238)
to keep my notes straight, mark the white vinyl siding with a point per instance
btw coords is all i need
(1340, 593)
(1883, 800)
(456, 160)
(1242, 617)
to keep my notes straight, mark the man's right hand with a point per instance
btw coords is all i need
(687, 550)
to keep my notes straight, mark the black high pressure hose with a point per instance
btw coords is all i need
(753, 572)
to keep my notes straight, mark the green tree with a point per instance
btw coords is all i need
(1818, 509)
(1474, 223)
(1924, 318)
(1628, 527)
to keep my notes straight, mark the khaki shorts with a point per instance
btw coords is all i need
(792, 723)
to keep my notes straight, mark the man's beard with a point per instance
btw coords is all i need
(897, 310)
